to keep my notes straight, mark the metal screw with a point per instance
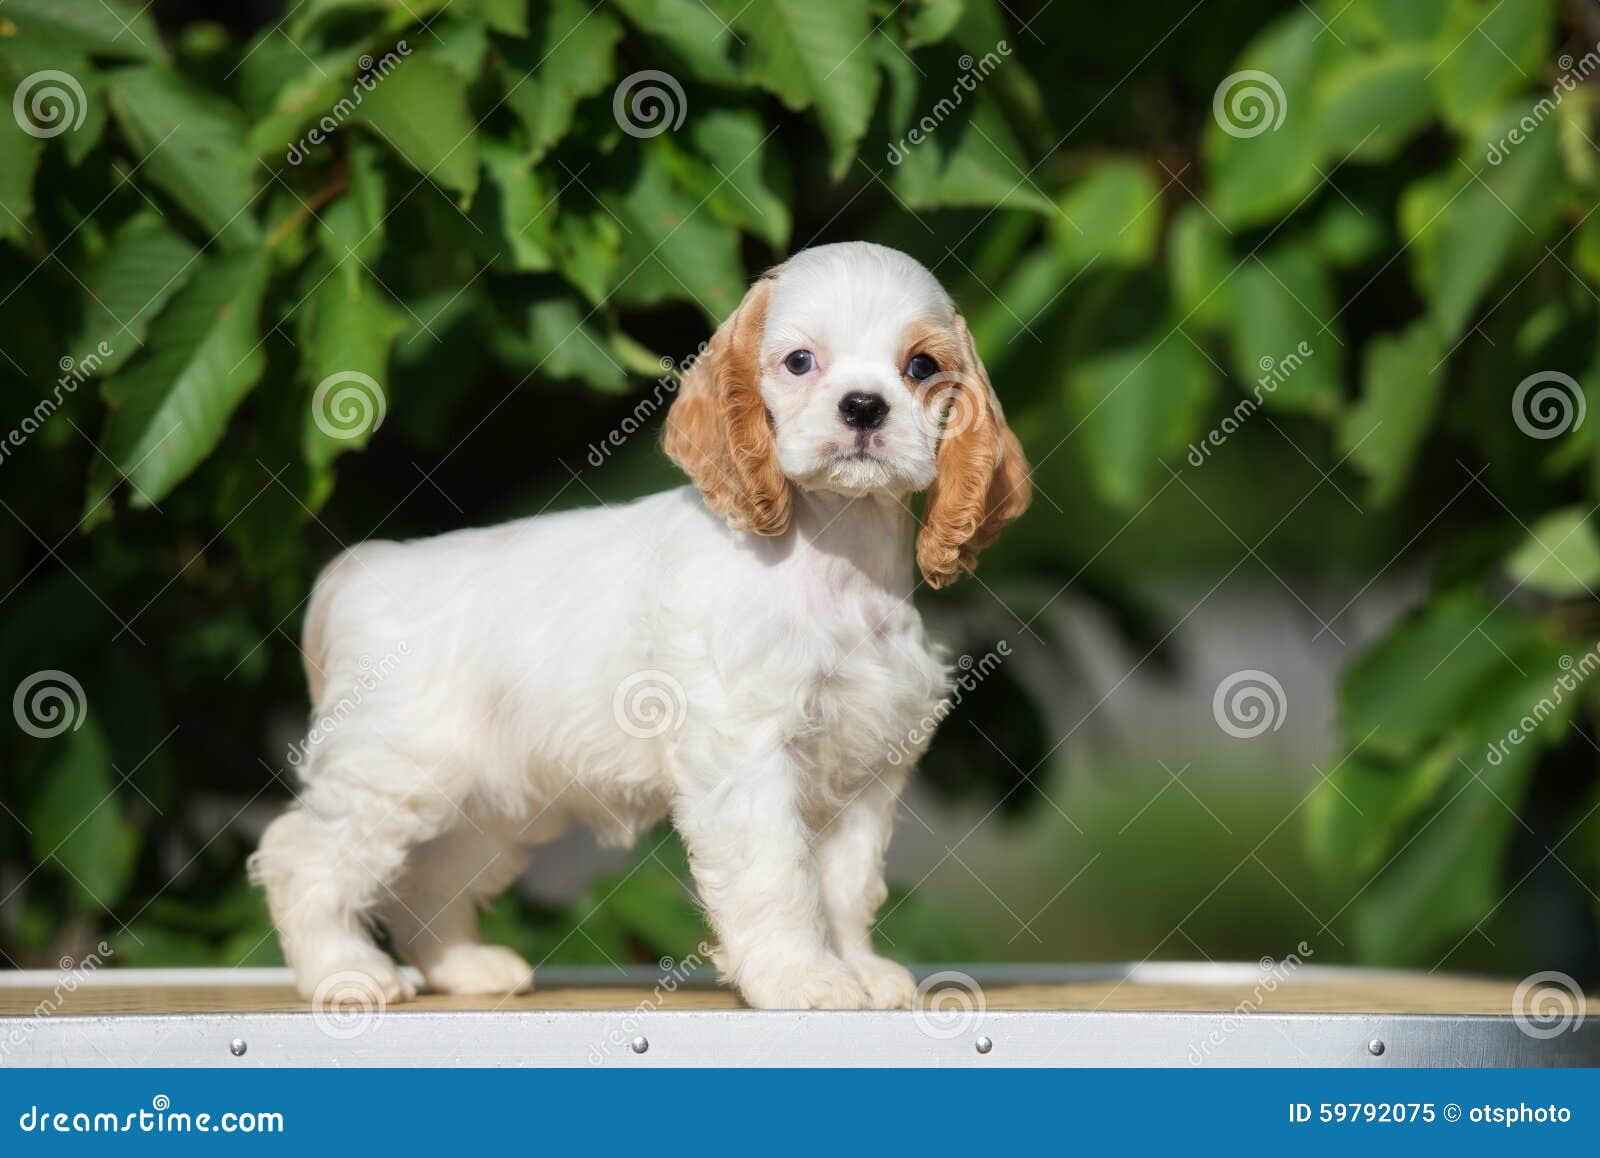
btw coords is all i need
(639, 1044)
(1375, 1047)
(237, 1047)
(983, 1045)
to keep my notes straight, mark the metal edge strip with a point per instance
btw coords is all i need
(784, 1039)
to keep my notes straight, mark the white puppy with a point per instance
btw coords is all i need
(743, 656)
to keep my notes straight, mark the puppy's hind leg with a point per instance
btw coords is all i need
(433, 918)
(326, 865)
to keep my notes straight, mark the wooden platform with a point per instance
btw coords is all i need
(1163, 1014)
(1374, 993)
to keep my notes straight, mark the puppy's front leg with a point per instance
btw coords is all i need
(751, 859)
(850, 851)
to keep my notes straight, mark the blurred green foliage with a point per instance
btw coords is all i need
(457, 201)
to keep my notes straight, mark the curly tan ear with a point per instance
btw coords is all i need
(718, 429)
(983, 478)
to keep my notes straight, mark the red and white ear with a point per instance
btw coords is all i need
(983, 479)
(718, 429)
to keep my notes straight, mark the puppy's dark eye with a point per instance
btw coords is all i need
(921, 367)
(799, 362)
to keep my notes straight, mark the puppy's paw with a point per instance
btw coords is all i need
(362, 977)
(479, 969)
(819, 984)
(889, 984)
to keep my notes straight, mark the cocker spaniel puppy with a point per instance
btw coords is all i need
(742, 655)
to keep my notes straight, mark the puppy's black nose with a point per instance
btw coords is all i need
(863, 411)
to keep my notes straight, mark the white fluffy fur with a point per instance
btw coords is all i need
(789, 668)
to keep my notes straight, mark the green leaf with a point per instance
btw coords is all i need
(1464, 225)
(1347, 235)
(691, 30)
(1285, 331)
(1200, 266)
(350, 230)
(297, 104)
(122, 28)
(55, 90)
(1416, 684)
(1268, 163)
(1560, 555)
(128, 286)
(1032, 288)
(734, 145)
(347, 326)
(1499, 48)
(1132, 406)
(1450, 874)
(969, 161)
(19, 157)
(1369, 106)
(1399, 21)
(674, 251)
(78, 823)
(1402, 378)
(1111, 215)
(589, 251)
(1357, 813)
(517, 209)
(1586, 249)
(930, 21)
(420, 110)
(464, 46)
(814, 53)
(507, 16)
(654, 907)
(170, 409)
(557, 342)
(308, 14)
(191, 144)
(577, 60)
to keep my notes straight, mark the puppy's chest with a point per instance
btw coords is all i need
(876, 688)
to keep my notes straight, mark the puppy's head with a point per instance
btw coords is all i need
(847, 369)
